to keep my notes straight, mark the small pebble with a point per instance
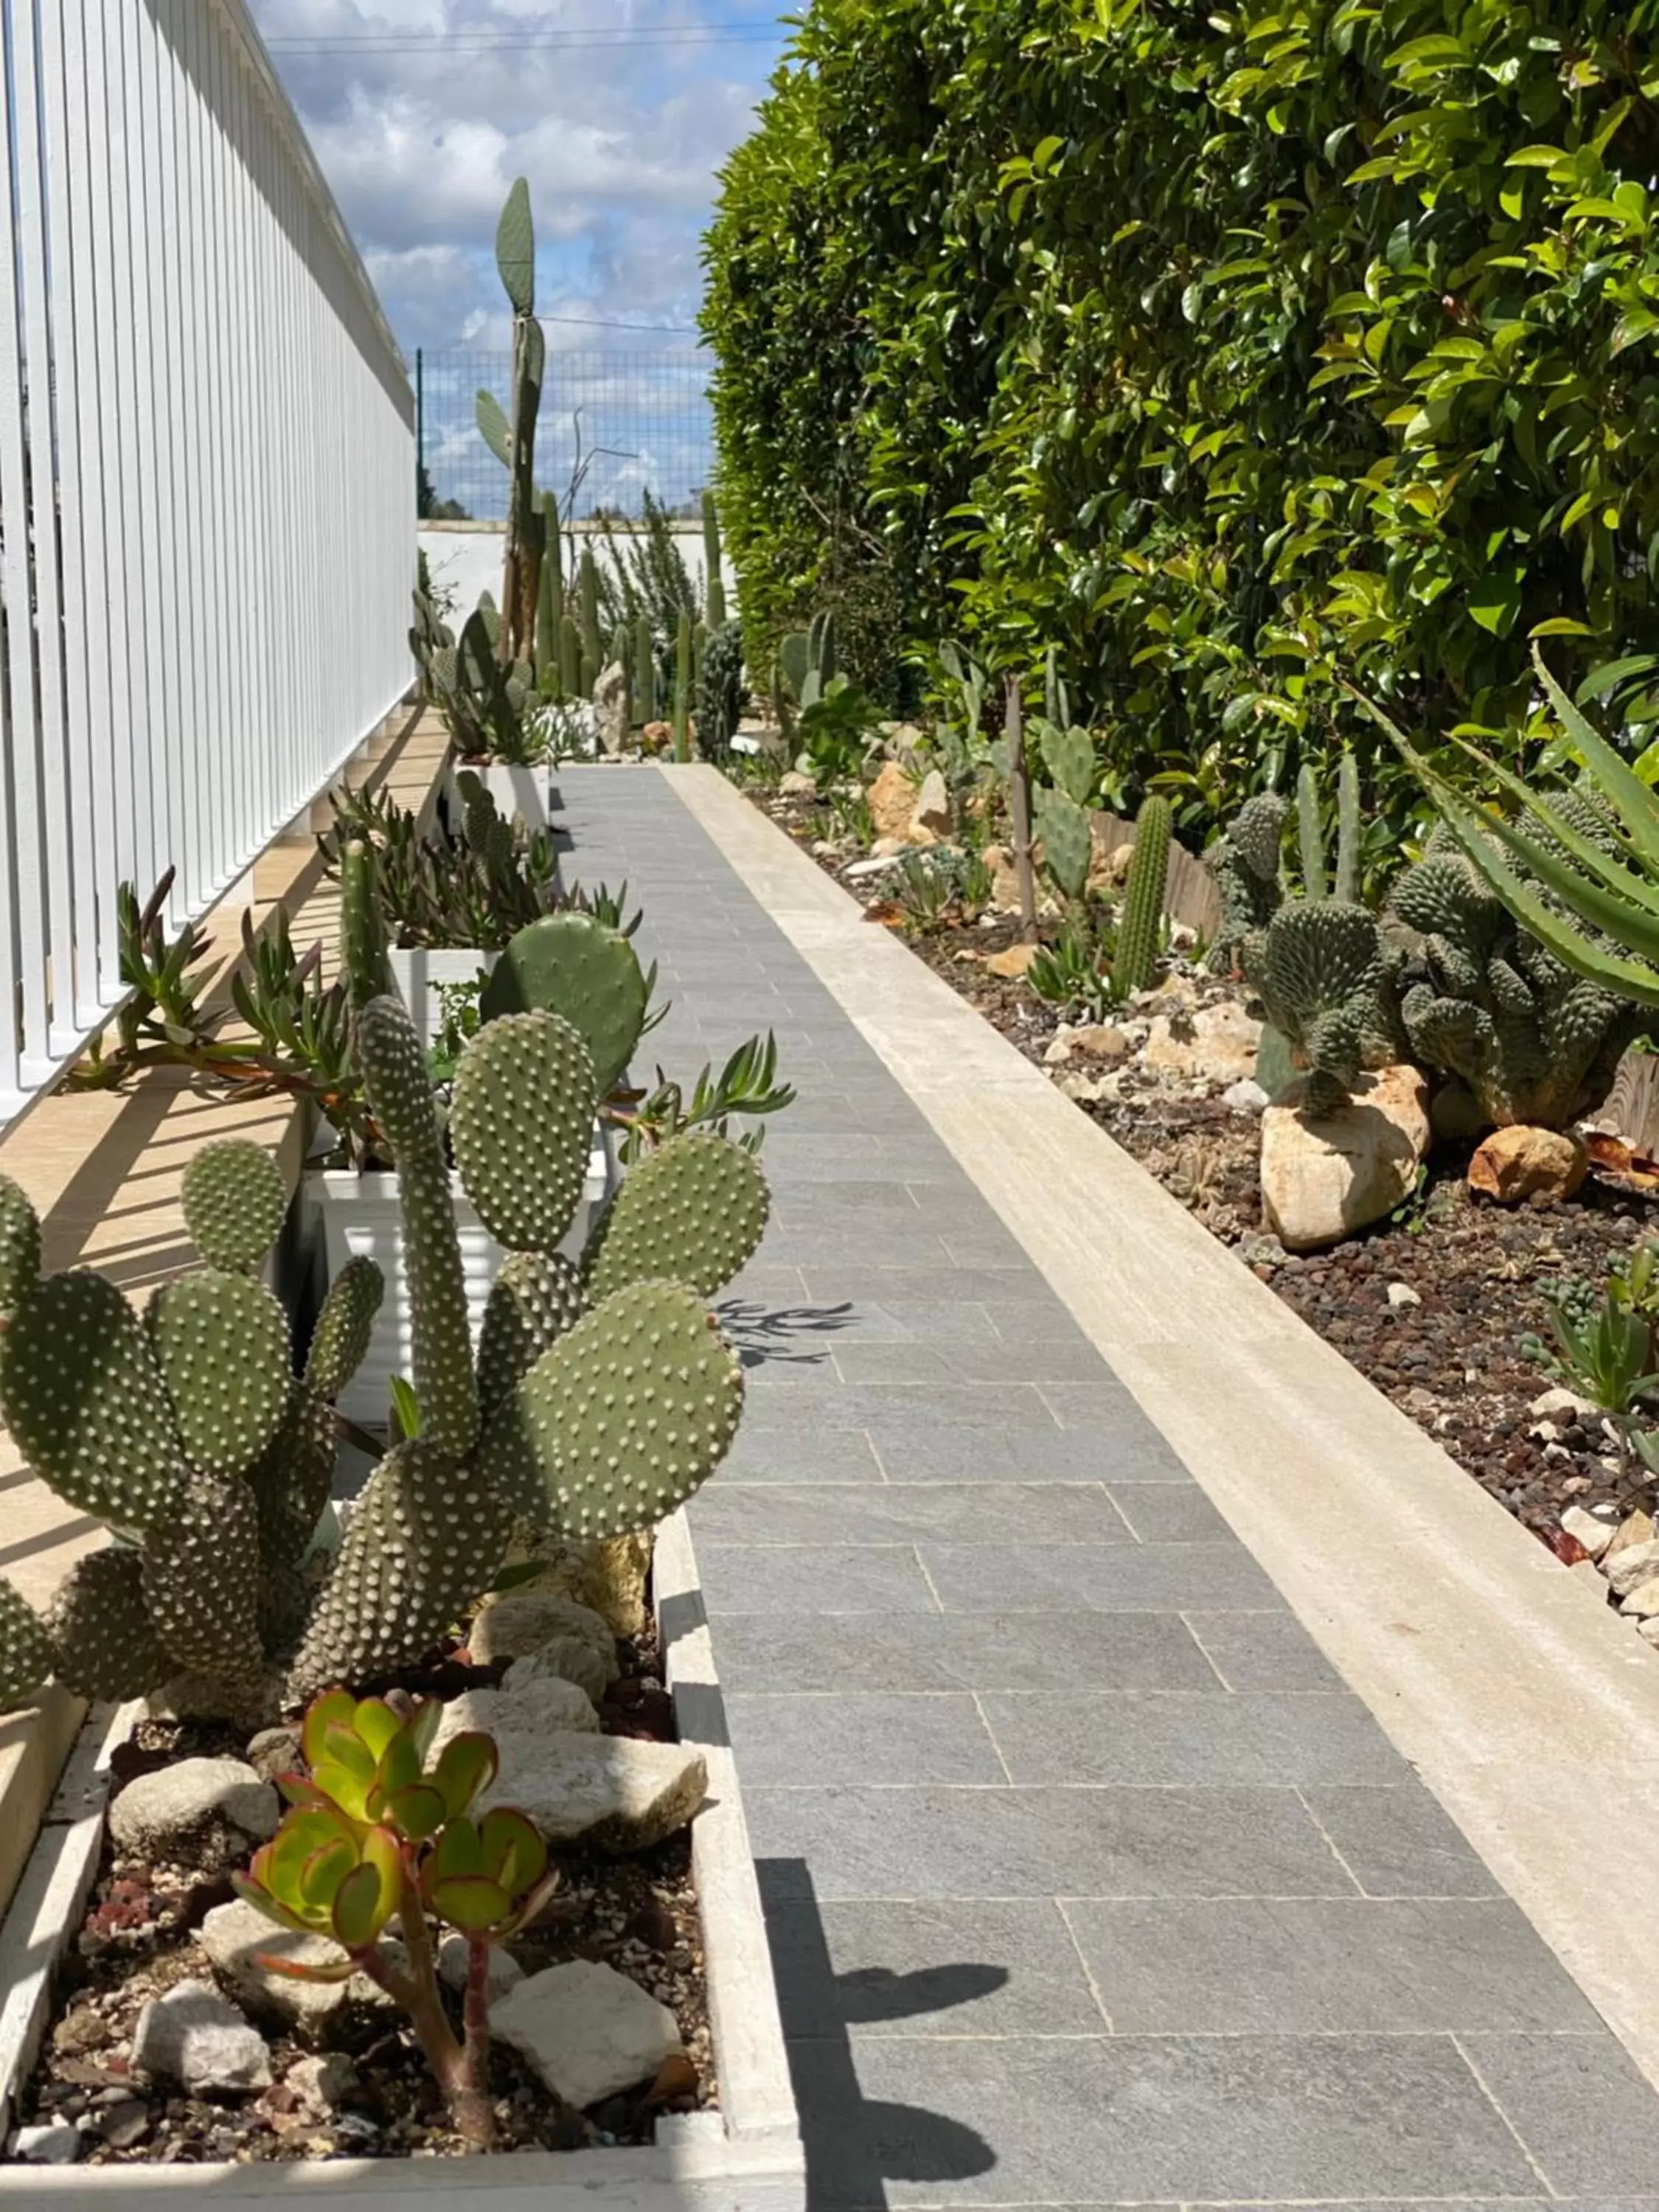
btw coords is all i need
(1402, 1294)
(54, 2144)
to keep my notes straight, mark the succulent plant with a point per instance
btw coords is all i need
(511, 436)
(720, 691)
(714, 572)
(380, 1833)
(188, 1435)
(644, 693)
(1138, 924)
(1490, 1006)
(575, 965)
(1245, 862)
(1324, 975)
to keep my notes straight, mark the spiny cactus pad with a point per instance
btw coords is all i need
(426, 1539)
(624, 1419)
(694, 1213)
(574, 965)
(85, 1400)
(535, 1299)
(100, 1629)
(235, 1201)
(26, 1658)
(201, 1583)
(340, 1342)
(221, 1344)
(20, 1246)
(292, 1482)
(521, 1123)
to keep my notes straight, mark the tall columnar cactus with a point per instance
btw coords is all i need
(683, 689)
(1311, 834)
(1245, 863)
(570, 658)
(362, 929)
(1348, 830)
(188, 1435)
(1324, 975)
(719, 692)
(1489, 1005)
(1137, 927)
(510, 435)
(593, 644)
(645, 672)
(550, 604)
(713, 594)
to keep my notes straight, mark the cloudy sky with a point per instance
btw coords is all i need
(422, 112)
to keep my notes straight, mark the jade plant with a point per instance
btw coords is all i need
(385, 1847)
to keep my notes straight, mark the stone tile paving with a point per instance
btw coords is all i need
(1088, 1883)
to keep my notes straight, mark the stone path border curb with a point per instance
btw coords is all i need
(1531, 1711)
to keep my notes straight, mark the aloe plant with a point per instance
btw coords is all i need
(380, 1839)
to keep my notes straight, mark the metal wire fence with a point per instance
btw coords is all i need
(613, 427)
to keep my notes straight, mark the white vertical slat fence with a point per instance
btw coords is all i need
(206, 489)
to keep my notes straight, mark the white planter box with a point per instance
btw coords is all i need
(747, 2157)
(418, 972)
(355, 1215)
(529, 793)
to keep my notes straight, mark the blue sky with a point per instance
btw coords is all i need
(620, 142)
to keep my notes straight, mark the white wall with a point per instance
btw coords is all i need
(469, 562)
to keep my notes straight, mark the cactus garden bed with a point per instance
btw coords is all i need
(1432, 1305)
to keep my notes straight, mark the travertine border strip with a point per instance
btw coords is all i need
(1530, 1709)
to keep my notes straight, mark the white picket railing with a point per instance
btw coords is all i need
(206, 489)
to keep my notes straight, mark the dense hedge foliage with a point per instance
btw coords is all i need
(1235, 351)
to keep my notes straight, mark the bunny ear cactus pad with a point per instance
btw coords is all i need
(340, 1342)
(234, 1201)
(425, 1540)
(200, 1584)
(101, 1630)
(221, 1344)
(694, 1213)
(520, 1120)
(624, 1419)
(20, 1246)
(27, 1660)
(85, 1400)
(574, 965)
(535, 1299)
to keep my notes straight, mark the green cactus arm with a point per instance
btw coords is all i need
(199, 1574)
(694, 1213)
(400, 1098)
(494, 428)
(538, 1297)
(234, 1202)
(362, 926)
(521, 1123)
(713, 565)
(425, 1541)
(20, 1246)
(575, 966)
(29, 1658)
(221, 1344)
(340, 1342)
(515, 249)
(292, 1481)
(105, 1641)
(1310, 832)
(1349, 835)
(85, 1401)
(624, 1419)
(1138, 926)
(1069, 757)
(1067, 846)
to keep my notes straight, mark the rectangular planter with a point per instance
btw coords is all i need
(350, 1215)
(528, 793)
(747, 2157)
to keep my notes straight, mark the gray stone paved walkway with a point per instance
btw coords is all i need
(1088, 1882)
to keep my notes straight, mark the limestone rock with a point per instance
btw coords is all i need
(1219, 1043)
(657, 736)
(1324, 1176)
(161, 1811)
(1638, 1528)
(274, 1751)
(1004, 879)
(1245, 1097)
(1109, 864)
(576, 1641)
(234, 1937)
(1516, 1164)
(889, 848)
(454, 1962)
(892, 799)
(1401, 1295)
(611, 706)
(323, 2081)
(587, 2031)
(1594, 1533)
(1643, 1602)
(533, 1705)
(1100, 1040)
(193, 2036)
(1628, 1569)
(795, 783)
(1015, 962)
(1565, 1402)
(611, 1791)
(932, 809)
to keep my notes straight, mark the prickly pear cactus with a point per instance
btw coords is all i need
(573, 966)
(234, 1200)
(693, 1212)
(521, 1123)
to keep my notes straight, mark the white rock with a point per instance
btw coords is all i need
(1058, 1050)
(1545, 1432)
(933, 807)
(1590, 1530)
(620, 1795)
(1219, 1043)
(1100, 1040)
(1563, 1402)
(322, 2081)
(192, 2035)
(234, 1937)
(1245, 1097)
(1402, 1294)
(586, 2030)
(1628, 1569)
(1649, 1628)
(862, 871)
(887, 848)
(527, 1622)
(157, 1811)
(611, 706)
(1643, 1600)
(454, 1959)
(533, 1704)
(794, 783)
(54, 2144)
(1324, 1176)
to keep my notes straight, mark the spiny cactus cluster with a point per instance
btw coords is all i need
(1245, 863)
(188, 1434)
(601, 1396)
(1488, 1005)
(1325, 979)
(720, 691)
(486, 703)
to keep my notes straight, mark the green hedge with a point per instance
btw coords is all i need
(1234, 350)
